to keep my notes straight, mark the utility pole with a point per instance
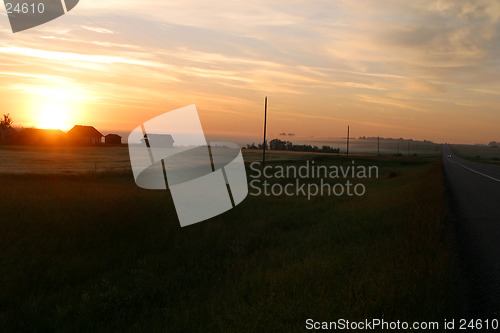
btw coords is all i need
(378, 145)
(347, 140)
(265, 127)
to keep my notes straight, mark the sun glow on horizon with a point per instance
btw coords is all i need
(53, 115)
(54, 107)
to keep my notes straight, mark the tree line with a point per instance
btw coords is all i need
(277, 144)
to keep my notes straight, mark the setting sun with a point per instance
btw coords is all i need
(53, 115)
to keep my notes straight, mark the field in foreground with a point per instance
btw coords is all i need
(478, 153)
(94, 252)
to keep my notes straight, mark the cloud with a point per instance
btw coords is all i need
(72, 57)
(99, 30)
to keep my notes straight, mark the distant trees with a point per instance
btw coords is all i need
(6, 122)
(277, 144)
(373, 138)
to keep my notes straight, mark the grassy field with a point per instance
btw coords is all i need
(480, 153)
(78, 160)
(387, 147)
(96, 253)
(62, 160)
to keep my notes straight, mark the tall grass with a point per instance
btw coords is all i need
(96, 253)
(480, 153)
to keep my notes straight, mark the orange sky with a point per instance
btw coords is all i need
(426, 69)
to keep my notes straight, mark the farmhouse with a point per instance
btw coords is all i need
(113, 139)
(37, 136)
(84, 135)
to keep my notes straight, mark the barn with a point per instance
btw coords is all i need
(84, 135)
(113, 139)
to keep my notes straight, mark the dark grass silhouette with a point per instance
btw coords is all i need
(96, 253)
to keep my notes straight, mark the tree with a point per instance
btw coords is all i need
(6, 122)
(277, 144)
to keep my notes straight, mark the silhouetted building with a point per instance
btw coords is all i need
(159, 140)
(113, 139)
(39, 137)
(7, 135)
(84, 135)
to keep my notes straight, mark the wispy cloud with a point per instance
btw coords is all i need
(97, 29)
(71, 56)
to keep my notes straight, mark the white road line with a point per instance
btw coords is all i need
(479, 173)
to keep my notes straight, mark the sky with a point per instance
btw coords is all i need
(417, 69)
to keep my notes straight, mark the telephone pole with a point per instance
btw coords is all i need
(265, 127)
(347, 140)
(378, 145)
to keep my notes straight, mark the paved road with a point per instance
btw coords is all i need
(475, 190)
